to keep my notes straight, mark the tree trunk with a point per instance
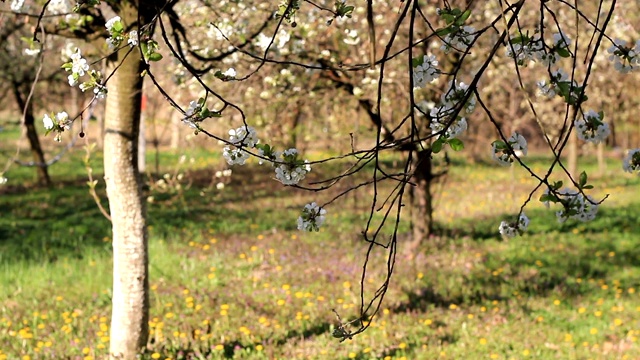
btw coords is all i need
(130, 311)
(422, 206)
(34, 142)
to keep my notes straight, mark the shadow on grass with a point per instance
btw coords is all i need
(234, 349)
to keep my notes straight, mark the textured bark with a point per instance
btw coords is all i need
(130, 312)
(422, 205)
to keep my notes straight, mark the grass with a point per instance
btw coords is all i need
(231, 278)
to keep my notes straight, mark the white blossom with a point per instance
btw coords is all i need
(426, 72)
(575, 206)
(263, 41)
(289, 170)
(231, 72)
(111, 22)
(235, 156)
(591, 128)
(546, 89)
(503, 154)
(79, 65)
(244, 136)
(100, 91)
(16, 5)
(3, 180)
(457, 93)
(460, 39)
(31, 52)
(63, 121)
(59, 7)
(526, 50)
(351, 37)
(625, 59)
(441, 121)
(133, 38)
(47, 122)
(193, 107)
(631, 162)
(512, 229)
(313, 216)
(560, 40)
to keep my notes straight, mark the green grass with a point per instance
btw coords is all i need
(232, 278)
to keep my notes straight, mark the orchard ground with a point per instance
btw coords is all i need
(232, 278)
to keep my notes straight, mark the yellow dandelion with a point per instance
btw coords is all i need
(483, 341)
(593, 331)
(352, 355)
(219, 347)
(402, 346)
(526, 352)
(259, 347)
(155, 356)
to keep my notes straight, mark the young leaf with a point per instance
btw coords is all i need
(456, 144)
(437, 146)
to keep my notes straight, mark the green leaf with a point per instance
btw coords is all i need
(437, 146)
(583, 179)
(456, 144)
(557, 185)
(444, 31)
(155, 57)
(465, 15)
(587, 187)
(563, 52)
(548, 198)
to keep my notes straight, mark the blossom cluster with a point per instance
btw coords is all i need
(631, 162)
(424, 71)
(290, 170)
(79, 67)
(460, 39)
(523, 48)
(503, 152)
(625, 58)
(313, 216)
(511, 229)
(116, 30)
(57, 123)
(591, 128)
(441, 115)
(242, 137)
(575, 205)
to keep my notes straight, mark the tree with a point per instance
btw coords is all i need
(18, 79)
(434, 103)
